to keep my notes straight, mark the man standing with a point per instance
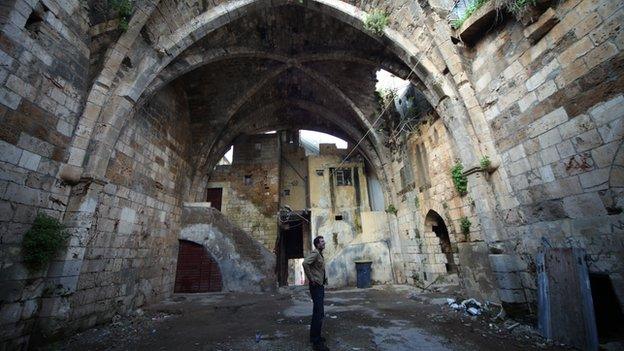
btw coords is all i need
(314, 268)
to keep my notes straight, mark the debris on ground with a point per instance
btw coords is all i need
(469, 306)
(282, 324)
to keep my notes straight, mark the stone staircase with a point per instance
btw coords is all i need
(244, 263)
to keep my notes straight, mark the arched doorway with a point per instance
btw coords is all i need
(435, 223)
(197, 271)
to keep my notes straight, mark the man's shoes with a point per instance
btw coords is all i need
(320, 347)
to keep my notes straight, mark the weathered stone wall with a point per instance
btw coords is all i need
(253, 179)
(555, 109)
(336, 214)
(430, 188)
(43, 81)
(131, 253)
(549, 112)
(294, 176)
(417, 198)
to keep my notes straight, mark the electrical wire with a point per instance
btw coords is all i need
(380, 114)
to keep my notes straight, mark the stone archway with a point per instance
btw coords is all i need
(434, 223)
(125, 92)
(115, 97)
(132, 86)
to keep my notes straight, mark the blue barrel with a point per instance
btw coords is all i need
(363, 269)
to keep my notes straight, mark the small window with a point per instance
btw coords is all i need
(286, 192)
(343, 177)
(258, 146)
(35, 20)
(248, 180)
(319, 172)
(338, 217)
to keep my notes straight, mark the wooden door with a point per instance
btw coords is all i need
(197, 271)
(214, 196)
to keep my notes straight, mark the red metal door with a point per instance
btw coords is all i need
(214, 196)
(196, 271)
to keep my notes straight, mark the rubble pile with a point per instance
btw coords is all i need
(469, 306)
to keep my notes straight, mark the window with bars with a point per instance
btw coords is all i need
(343, 177)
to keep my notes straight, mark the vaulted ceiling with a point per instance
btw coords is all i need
(284, 67)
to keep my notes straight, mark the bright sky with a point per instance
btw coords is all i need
(387, 80)
(322, 138)
(228, 155)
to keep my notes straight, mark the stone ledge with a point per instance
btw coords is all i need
(481, 21)
(543, 25)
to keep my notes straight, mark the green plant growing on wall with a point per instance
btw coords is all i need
(459, 179)
(376, 21)
(518, 7)
(42, 241)
(392, 209)
(464, 224)
(470, 9)
(485, 162)
(124, 10)
(416, 202)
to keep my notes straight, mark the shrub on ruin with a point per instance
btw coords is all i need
(516, 7)
(464, 224)
(124, 10)
(485, 162)
(391, 209)
(376, 21)
(43, 241)
(459, 179)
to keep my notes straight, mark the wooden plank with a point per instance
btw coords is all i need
(564, 298)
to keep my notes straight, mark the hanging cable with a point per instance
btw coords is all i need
(380, 114)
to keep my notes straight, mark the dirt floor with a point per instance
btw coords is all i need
(381, 318)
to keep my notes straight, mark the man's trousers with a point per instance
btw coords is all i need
(317, 292)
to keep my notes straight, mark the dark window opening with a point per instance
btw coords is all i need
(319, 172)
(126, 62)
(338, 217)
(35, 20)
(247, 180)
(343, 177)
(286, 192)
(609, 317)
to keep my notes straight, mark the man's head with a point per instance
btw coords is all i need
(319, 243)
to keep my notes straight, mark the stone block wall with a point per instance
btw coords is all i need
(131, 251)
(549, 109)
(294, 177)
(422, 254)
(44, 61)
(555, 109)
(253, 192)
